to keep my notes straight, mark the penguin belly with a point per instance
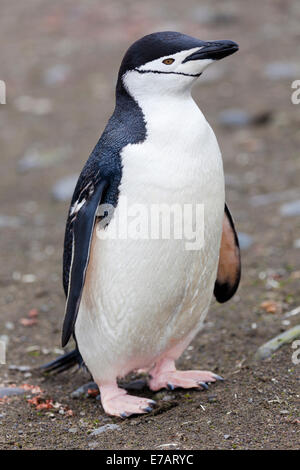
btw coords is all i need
(145, 296)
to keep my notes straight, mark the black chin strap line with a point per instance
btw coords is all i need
(168, 73)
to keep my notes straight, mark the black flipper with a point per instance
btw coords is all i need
(82, 226)
(229, 269)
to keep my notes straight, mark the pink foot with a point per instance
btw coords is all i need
(117, 402)
(165, 375)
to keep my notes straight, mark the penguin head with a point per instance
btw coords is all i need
(168, 62)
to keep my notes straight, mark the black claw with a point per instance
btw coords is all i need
(218, 377)
(204, 385)
(152, 402)
(124, 415)
(148, 409)
(170, 386)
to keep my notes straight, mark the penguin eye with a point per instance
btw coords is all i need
(168, 61)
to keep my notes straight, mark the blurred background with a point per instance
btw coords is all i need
(60, 61)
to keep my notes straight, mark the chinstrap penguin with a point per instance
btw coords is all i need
(137, 303)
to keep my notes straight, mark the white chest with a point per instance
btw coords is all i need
(180, 157)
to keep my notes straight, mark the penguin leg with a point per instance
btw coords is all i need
(165, 375)
(117, 402)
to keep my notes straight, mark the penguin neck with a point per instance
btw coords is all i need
(156, 100)
(158, 116)
(168, 116)
(168, 104)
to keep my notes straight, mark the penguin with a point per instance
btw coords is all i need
(137, 303)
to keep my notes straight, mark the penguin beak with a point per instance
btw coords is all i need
(214, 50)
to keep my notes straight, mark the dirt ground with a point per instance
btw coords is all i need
(59, 61)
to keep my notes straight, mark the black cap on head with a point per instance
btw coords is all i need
(166, 43)
(157, 45)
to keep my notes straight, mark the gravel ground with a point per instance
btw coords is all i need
(59, 61)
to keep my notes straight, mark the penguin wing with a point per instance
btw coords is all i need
(79, 230)
(229, 269)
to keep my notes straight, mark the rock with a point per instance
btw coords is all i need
(28, 104)
(35, 158)
(73, 430)
(56, 74)
(245, 240)
(19, 368)
(159, 396)
(212, 398)
(7, 221)
(93, 444)
(168, 397)
(28, 278)
(82, 391)
(290, 208)
(282, 70)
(168, 445)
(105, 428)
(297, 243)
(270, 198)
(267, 349)
(63, 190)
(234, 118)
(11, 391)
(292, 313)
(207, 15)
(226, 436)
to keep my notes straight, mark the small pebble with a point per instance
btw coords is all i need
(42, 158)
(168, 397)
(92, 444)
(82, 391)
(28, 104)
(73, 430)
(105, 428)
(63, 189)
(245, 240)
(19, 368)
(7, 221)
(290, 208)
(234, 118)
(11, 391)
(56, 74)
(297, 243)
(212, 398)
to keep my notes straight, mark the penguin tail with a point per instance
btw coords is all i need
(62, 363)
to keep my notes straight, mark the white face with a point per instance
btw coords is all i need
(166, 75)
